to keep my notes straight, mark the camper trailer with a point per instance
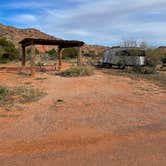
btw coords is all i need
(122, 57)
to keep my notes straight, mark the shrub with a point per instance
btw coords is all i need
(28, 52)
(78, 71)
(140, 70)
(164, 60)
(40, 64)
(119, 63)
(8, 52)
(52, 54)
(155, 57)
(91, 54)
(144, 70)
(70, 53)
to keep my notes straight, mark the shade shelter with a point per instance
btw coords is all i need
(57, 42)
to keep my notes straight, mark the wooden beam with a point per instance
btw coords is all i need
(79, 55)
(32, 68)
(60, 50)
(27, 44)
(23, 56)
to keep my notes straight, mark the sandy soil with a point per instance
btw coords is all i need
(102, 120)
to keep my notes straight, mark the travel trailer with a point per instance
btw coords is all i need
(122, 56)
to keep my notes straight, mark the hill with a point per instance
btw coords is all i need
(16, 34)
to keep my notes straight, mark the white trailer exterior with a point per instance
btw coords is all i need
(111, 57)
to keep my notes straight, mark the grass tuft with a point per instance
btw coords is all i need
(78, 71)
(21, 94)
(158, 78)
(28, 94)
(5, 92)
(141, 70)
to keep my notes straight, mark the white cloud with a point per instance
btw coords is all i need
(24, 18)
(25, 5)
(105, 20)
(101, 21)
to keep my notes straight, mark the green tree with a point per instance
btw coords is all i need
(155, 57)
(53, 54)
(8, 51)
(28, 51)
(143, 45)
(70, 53)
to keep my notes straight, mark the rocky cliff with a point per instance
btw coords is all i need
(16, 34)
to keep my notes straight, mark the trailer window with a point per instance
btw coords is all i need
(130, 52)
(122, 53)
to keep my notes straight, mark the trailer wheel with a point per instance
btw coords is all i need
(110, 65)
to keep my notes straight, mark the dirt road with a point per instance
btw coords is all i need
(90, 121)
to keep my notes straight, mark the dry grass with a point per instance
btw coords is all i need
(9, 116)
(78, 71)
(20, 94)
(157, 78)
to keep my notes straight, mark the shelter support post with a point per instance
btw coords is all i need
(23, 56)
(32, 68)
(60, 49)
(79, 55)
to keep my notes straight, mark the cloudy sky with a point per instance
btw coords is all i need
(104, 22)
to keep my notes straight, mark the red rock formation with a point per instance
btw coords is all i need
(16, 35)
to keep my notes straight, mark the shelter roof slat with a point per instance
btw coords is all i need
(62, 43)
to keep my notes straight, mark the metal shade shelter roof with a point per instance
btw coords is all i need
(62, 43)
(58, 42)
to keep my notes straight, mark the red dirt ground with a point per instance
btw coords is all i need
(102, 120)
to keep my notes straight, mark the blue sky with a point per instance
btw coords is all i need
(104, 22)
